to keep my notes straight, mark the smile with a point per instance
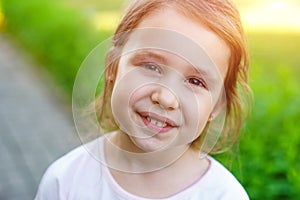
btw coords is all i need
(157, 123)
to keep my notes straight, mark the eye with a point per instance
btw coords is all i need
(151, 66)
(196, 82)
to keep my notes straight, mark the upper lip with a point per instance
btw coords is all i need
(158, 118)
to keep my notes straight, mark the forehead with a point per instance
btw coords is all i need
(193, 34)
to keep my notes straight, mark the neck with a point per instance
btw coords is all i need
(186, 170)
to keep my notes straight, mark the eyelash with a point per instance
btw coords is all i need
(151, 66)
(155, 68)
(200, 82)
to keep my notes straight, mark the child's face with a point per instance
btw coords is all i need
(168, 84)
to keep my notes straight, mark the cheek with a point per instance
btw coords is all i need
(129, 88)
(119, 103)
(196, 112)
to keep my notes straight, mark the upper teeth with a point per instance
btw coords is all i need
(156, 123)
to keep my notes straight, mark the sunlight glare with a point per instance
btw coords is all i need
(279, 15)
(106, 20)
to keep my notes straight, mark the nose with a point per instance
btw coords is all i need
(165, 98)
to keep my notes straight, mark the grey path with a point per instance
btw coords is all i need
(35, 129)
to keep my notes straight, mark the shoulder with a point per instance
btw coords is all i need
(222, 183)
(78, 159)
(75, 170)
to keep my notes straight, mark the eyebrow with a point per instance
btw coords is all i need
(197, 70)
(143, 55)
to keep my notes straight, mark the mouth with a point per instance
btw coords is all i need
(157, 123)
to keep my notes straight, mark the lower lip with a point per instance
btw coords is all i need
(154, 128)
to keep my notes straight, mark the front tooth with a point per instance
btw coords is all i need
(159, 124)
(153, 121)
(156, 123)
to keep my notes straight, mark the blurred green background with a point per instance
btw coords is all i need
(59, 34)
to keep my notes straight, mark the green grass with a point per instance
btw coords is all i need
(57, 36)
(267, 160)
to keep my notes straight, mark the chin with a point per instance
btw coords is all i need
(151, 144)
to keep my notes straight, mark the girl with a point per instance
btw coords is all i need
(172, 76)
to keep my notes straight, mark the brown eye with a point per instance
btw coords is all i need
(196, 82)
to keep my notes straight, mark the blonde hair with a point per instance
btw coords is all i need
(221, 17)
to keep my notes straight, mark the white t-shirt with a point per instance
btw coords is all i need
(79, 176)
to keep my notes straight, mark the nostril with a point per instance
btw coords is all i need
(165, 99)
(154, 98)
